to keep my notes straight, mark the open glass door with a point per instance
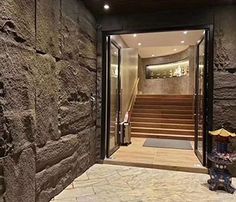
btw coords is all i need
(200, 82)
(113, 97)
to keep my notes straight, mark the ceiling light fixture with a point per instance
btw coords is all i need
(134, 35)
(175, 49)
(153, 55)
(106, 7)
(139, 44)
(185, 32)
(182, 41)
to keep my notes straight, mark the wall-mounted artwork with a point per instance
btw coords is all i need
(168, 70)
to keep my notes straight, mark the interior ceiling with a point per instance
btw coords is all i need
(145, 6)
(162, 43)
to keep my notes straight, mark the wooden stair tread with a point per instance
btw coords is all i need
(180, 124)
(162, 136)
(167, 95)
(165, 129)
(162, 125)
(165, 103)
(164, 111)
(152, 106)
(153, 115)
(160, 120)
(162, 131)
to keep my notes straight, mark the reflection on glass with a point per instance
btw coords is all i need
(114, 63)
(200, 94)
(168, 70)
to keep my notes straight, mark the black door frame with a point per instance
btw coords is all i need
(109, 152)
(208, 98)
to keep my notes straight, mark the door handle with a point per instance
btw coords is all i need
(92, 99)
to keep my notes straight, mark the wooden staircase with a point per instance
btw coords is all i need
(163, 116)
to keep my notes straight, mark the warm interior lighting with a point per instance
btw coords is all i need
(139, 44)
(185, 32)
(106, 7)
(182, 41)
(175, 49)
(153, 55)
(134, 35)
(168, 65)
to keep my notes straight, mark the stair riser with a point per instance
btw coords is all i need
(166, 96)
(163, 111)
(170, 107)
(170, 116)
(146, 130)
(190, 138)
(155, 125)
(164, 99)
(156, 120)
(165, 103)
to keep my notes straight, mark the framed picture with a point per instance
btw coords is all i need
(168, 70)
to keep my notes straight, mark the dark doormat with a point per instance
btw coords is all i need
(166, 143)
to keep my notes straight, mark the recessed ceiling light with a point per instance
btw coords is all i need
(106, 7)
(175, 49)
(139, 44)
(185, 32)
(182, 41)
(134, 35)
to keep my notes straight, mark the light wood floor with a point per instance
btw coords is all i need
(170, 159)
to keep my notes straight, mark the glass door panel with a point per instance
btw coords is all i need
(114, 89)
(199, 101)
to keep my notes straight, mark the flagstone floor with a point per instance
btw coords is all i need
(110, 183)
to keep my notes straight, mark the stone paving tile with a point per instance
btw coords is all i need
(109, 183)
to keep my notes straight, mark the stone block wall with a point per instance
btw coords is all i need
(225, 71)
(47, 77)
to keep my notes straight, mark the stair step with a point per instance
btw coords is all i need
(163, 116)
(166, 96)
(162, 136)
(152, 115)
(162, 102)
(162, 125)
(147, 106)
(161, 120)
(163, 130)
(163, 111)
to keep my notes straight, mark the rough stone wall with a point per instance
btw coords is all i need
(225, 70)
(47, 77)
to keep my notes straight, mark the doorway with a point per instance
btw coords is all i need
(115, 129)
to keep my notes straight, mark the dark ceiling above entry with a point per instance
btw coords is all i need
(144, 6)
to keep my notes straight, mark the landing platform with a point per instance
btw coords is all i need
(159, 158)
